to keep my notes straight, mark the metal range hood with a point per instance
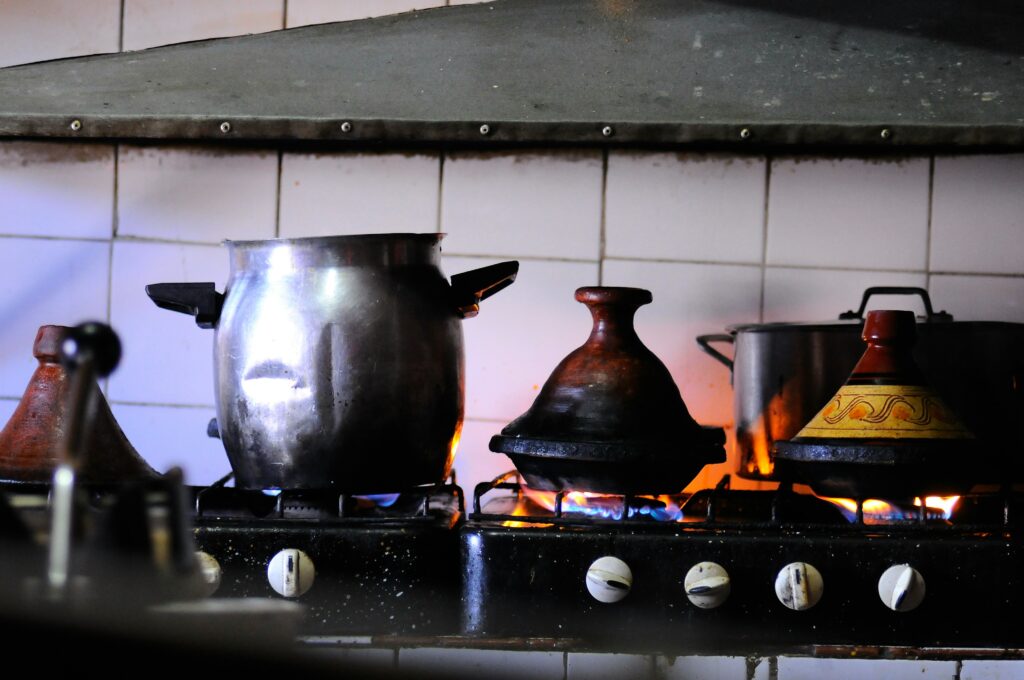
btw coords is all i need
(788, 73)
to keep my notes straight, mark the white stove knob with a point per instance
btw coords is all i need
(707, 585)
(901, 588)
(291, 572)
(799, 586)
(209, 569)
(609, 579)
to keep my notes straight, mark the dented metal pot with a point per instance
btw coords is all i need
(338, 360)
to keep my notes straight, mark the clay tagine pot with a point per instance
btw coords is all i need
(30, 443)
(885, 433)
(610, 418)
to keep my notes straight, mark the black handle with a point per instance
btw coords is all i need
(705, 344)
(469, 288)
(200, 300)
(930, 314)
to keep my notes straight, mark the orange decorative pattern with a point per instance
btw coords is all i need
(888, 411)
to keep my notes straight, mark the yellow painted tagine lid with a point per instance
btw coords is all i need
(886, 396)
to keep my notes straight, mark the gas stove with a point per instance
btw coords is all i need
(362, 565)
(737, 571)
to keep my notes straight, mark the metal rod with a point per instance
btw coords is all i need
(558, 503)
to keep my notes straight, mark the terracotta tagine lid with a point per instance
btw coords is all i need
(610, 418)
(886, 396)
(30, 443)
(886, 433)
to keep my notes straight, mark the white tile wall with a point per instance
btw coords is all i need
(167, 358)
(609, 666)
(196, 194)
(37, 30)
(668, 206)
(982, 669)
(523, 204)
(868, 214)
(474, 462)
(710, 668)
(57, 189)
(159, 22)
(45, 281)
(7, 407)
(806, 668)
(325, 194)
(823, 294)
(521, 334)
(979, 298)
(481, 663)
(302, 12)
(169, 437)
(978, 214)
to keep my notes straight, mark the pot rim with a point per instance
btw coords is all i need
(430, 238)
(847, 325)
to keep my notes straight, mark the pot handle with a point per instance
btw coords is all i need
(469, 288)
(705, 344)
(930, 314)
(200, 300)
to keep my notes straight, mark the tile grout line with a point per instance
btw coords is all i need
(440, 189)
(764, 235)
(120, 28)
(928, 231)
(284, 14)
(277, 204)
(602, 220)
(114, 219)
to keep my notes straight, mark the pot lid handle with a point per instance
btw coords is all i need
(200, 300)
(930, 314)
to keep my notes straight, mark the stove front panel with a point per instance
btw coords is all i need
(369, 580)
(530, 581)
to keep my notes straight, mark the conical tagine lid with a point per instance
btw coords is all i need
(886, 396)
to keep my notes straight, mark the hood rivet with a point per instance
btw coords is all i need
(886, 133)
(225, 127)
(346, 126)
(76, 125)
(485, 129)
(607, 131)
(745, 133)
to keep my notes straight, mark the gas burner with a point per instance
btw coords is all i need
(435, 503)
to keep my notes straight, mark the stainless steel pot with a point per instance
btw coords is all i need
(783, 373)
(338, 360)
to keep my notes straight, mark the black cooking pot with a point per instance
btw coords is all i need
(783, 373)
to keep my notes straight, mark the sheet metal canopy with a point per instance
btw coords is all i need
(872, 73)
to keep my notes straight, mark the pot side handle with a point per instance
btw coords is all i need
(469, 288)
(200, 300)
(930, 314)
(705, 344)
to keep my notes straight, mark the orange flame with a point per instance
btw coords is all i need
(879, 512)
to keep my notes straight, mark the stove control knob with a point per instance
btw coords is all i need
(707, 585)
(609, 579)
(799, 586)
(291, 573)
(901, 588)
(209, 569)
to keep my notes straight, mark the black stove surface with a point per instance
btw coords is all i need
(526, 558)
(378, 565)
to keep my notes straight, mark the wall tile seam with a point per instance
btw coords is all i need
(768, 160)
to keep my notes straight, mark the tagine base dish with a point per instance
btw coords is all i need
(615, 468)
(858, 468)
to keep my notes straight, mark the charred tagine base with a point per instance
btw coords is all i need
(619, 468)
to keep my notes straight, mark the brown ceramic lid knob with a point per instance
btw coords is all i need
(31, 441)
(890, 336)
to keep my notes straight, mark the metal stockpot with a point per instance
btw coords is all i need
(338, 360)
(783, 373)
